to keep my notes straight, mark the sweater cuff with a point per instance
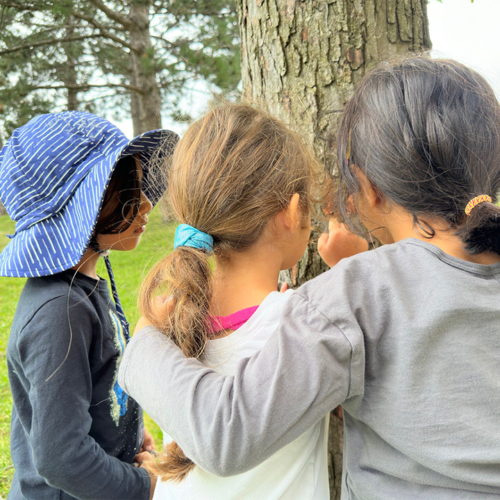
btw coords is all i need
(146, 481)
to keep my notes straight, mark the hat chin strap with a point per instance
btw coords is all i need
(118, 305)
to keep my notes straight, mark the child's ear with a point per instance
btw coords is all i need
(371, 194)
(291, 214)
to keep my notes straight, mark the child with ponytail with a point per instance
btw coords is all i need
(240, 184)
(406, 337)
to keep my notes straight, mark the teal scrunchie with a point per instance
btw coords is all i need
(189, 236)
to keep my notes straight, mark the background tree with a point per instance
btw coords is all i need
(2, 208)
(23, 69)
(119, 54)
(303, 60)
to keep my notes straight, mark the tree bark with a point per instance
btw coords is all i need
(145, 106)
(70, 70)
(302, 62)
(2, 208)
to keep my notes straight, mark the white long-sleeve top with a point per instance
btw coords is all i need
(297, 471)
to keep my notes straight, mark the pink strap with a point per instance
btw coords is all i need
(231, 322)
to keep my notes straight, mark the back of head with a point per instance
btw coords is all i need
(426, 133)
(233, 171)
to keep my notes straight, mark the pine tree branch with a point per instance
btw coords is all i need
(172, 45)
(111, 14)
(51, 41)
(104, 32)
(87, 87)
(104, 97)
(53, 27)
(18, 6)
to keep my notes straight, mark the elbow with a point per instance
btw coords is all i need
(223, 465)
(218, 446)
(221, 469)
(51, 472)
(227, 470)
(53, 469)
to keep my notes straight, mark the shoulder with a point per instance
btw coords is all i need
(58, 329)
(49, 304)
(276, 300)
(266, 318)
(251, 336)
(38, 291)
(361, 281)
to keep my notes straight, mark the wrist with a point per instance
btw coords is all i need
(329, 261)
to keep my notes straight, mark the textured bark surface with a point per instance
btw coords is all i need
(302, 60)
(145, 106)
(70, 70)
(2, 208)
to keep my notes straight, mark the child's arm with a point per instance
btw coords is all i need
(64, 452)
(229, 424)
(148, 443)
(339, 243)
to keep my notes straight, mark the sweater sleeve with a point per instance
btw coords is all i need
(229, 424)
(54, 352)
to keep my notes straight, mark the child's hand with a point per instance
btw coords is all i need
(139, 459)
(148, 443)
(154, 479)
(339, 243)
(153, 486)
(144, 456)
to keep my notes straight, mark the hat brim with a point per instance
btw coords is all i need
(59, 242)
(152, 147)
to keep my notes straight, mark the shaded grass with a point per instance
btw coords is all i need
(129, 269)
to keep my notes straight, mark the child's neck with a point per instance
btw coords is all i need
(88, 264)
(245, 280)
(401, 226)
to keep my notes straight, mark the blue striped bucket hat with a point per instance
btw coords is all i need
(54, 172)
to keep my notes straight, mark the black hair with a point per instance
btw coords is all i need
(426, 133)
(122, 201)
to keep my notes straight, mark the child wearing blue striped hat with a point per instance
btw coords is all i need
(76, 187)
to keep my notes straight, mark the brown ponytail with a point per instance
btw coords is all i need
(233, 171)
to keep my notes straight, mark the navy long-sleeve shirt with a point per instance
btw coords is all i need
(74, 431)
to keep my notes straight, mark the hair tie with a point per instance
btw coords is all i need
(476, 201)
(189, 236)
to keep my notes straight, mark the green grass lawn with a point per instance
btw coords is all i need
(129, 269)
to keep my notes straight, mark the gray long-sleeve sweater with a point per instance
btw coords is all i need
(406, 337)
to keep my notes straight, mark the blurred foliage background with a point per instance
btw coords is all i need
(117, 58)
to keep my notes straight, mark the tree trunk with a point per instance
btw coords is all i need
(145, 105)
(302, 61)
(2, 208)
(135, 104)
(69, 76)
